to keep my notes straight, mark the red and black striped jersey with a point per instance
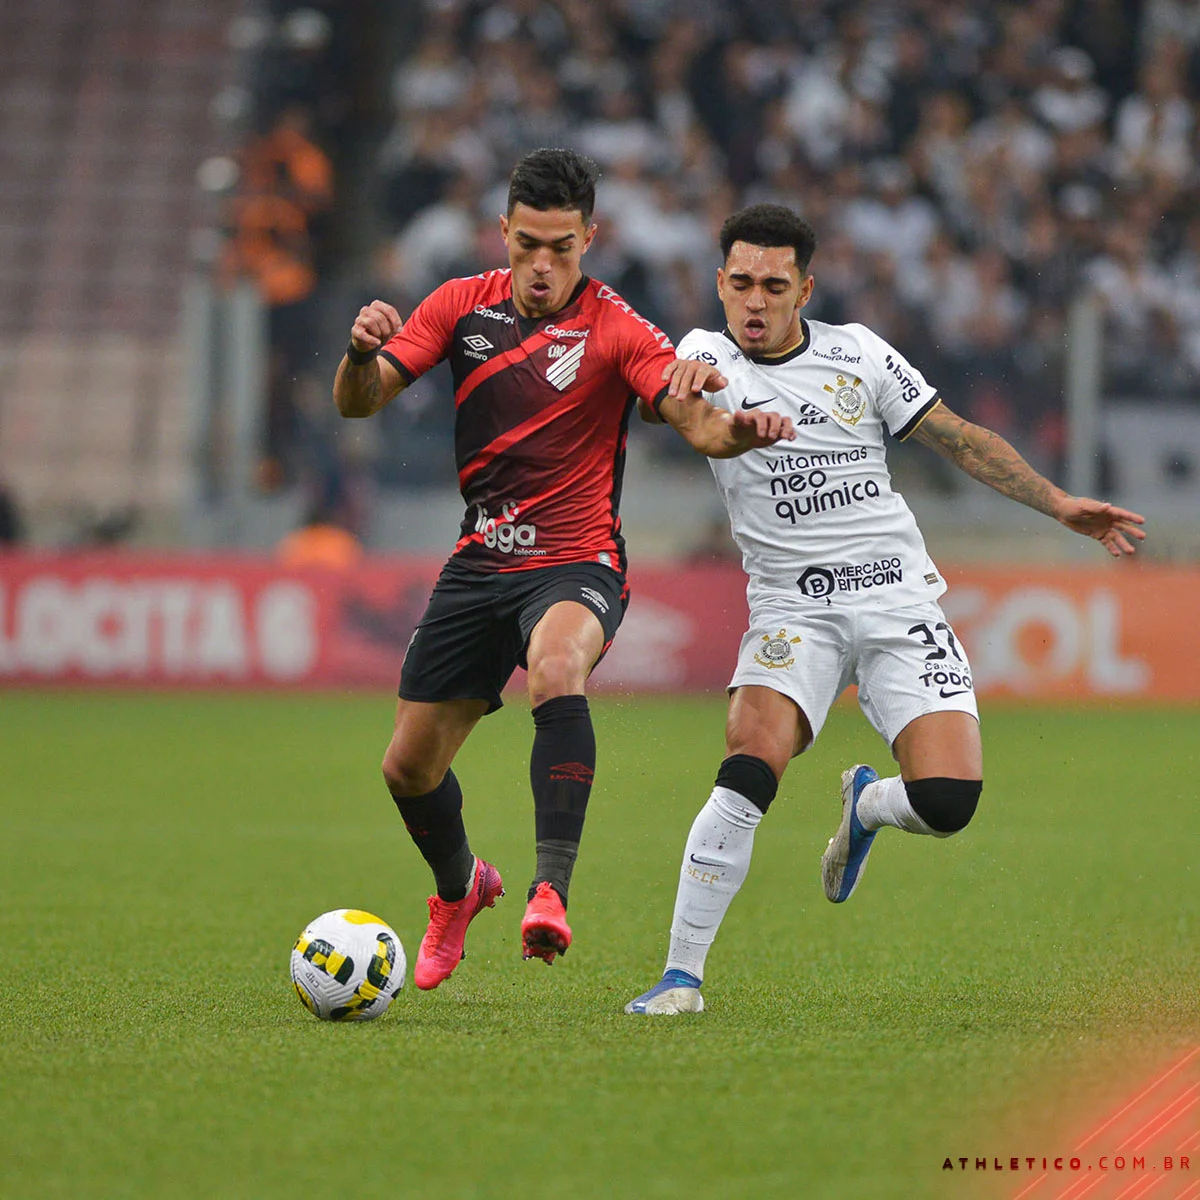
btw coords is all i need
(542, 411)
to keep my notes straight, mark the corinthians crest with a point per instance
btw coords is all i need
(776, 651)
(848, 404)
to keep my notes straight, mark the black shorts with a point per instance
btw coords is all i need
(476, 627)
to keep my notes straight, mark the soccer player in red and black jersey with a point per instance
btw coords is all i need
(548, 366)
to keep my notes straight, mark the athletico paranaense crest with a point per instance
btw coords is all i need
(564, 365)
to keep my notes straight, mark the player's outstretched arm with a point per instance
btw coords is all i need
(365, 383)
(711, 430)
(986, 456)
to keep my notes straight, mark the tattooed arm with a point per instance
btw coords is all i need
(986, 456)
(362, 388)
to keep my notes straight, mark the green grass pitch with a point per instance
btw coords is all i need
(978, 996)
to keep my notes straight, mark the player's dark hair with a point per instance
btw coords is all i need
(547, 179)
(770, 225)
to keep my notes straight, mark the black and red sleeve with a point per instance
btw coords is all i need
(645, 354)
(426, 336)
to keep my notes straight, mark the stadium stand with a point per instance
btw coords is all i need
(970, 167)
(104, 116)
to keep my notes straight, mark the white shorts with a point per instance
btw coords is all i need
(906, 661)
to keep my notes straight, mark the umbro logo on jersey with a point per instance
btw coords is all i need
(594, 598)
(748, 405)
(477, 345)
(562, 371)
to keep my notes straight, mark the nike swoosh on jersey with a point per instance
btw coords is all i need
(757, 404)
(704, 862)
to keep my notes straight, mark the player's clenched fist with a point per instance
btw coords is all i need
(375, 324)
(364, 382)
(760, 428)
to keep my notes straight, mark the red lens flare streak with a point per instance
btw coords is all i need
(1156, 1118)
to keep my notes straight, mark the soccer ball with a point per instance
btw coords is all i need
(347, 965)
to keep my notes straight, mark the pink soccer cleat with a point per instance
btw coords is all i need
(442, 946)
(544, 929)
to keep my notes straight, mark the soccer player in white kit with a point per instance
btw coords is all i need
(841, 589)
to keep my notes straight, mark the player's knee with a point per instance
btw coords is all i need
(750, 777)
(407, 777)
(945, 805)
(555, 675)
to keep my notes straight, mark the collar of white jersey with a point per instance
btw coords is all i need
(777, 360)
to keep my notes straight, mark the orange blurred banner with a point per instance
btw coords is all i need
(1121, 631)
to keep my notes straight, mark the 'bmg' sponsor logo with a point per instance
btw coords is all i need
(909, 391)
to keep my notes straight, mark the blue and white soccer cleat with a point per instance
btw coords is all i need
(675, 992)
(844, 860)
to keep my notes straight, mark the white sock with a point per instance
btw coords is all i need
(886, 802)
(715, 862)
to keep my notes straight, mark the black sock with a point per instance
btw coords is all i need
(560, 772)
(434, 822)
(555, 862)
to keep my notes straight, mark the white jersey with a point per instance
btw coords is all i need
(817, 518)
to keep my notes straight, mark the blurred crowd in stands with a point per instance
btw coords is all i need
(281, 223)
(970, 167)
(275, 225)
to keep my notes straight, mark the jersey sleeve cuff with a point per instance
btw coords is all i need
(657, 403)
(405, 373)
(919, 416)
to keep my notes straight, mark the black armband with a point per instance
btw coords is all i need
(360, 358)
